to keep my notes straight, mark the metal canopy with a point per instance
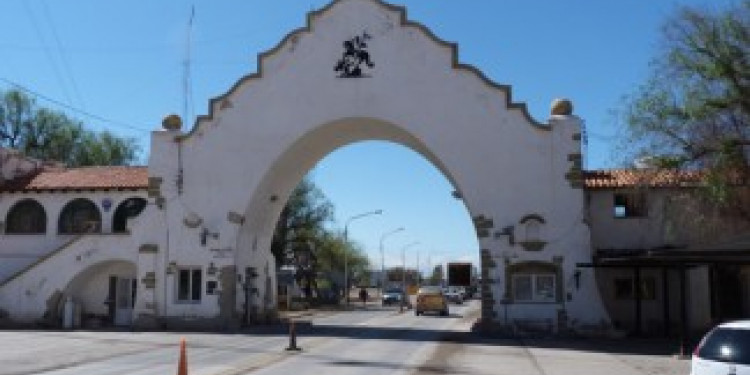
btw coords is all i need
(666, 258)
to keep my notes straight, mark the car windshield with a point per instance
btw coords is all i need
(429, 290)
(727, 345)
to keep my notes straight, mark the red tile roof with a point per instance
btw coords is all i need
(621, 178)
(87, 178)
(134, 178)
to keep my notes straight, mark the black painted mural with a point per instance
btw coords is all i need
(354, 58)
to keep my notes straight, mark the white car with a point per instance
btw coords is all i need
(723, 351)
(454, 294)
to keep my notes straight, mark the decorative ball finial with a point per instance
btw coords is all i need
(172, 122)
(563, 107)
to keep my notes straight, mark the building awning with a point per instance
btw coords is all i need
(669, 257)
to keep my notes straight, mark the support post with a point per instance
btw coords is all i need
(683, 312)
(638, 298)
(665, 299)
(292, 338)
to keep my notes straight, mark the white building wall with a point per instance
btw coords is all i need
(17, 251)
(271, 128)
(232, 174)
(26, 295)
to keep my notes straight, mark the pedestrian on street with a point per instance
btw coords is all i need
(363, 296)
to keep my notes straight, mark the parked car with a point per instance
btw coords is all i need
(454, 294)
(431, 298)
(393, 296)
(724, 350)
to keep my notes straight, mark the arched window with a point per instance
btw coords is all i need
(80, 216)
(532, 234)
(26, 217)
(129, 208)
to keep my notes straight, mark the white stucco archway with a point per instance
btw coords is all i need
(221, 186)
(283, 176)
(92, 291)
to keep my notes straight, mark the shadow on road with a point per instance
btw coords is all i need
(634, 346)
(394, 366)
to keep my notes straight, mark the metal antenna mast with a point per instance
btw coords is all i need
(187, 88)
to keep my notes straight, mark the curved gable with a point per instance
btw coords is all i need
(399, 15)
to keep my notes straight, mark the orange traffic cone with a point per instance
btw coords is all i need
(182, 364)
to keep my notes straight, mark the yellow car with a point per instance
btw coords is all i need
(431, 298)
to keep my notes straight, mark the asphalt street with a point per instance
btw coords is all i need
(372, 340)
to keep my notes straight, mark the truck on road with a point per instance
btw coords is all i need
(459, 274)
(459, 279)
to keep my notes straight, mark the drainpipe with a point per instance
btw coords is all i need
(166, 264)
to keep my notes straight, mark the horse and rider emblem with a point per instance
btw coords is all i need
(354, 58)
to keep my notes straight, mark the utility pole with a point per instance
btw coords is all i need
(187, 87)
(346, 253)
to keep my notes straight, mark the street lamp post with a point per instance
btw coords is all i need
(382, 257)
(403, 272)
(419, 271)
(346, 253)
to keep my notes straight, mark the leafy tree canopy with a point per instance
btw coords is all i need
(694, 110)
(46, 134)
(302, 240)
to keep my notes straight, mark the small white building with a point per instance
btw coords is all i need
(66, 233)
(666, 259)
(186, 240)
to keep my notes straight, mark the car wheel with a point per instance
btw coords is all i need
(444, 313)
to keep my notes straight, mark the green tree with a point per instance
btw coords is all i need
(299, 230)
(694, 110)
(301, 239)
(46, 134)
(16, 116)
(301, 223)
(395, 275)
(333, 251)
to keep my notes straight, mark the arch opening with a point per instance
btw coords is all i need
(104, 294)
(26, 217)
(306, 156)
(80, 216)
(128, 209)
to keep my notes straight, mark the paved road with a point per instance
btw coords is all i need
(370, 341)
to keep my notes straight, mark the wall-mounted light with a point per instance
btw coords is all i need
(205, 233)
(507, 231)
(211, 270)
(251, 273)
(236, 218)
(192, 220)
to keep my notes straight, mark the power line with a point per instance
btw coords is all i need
(63, 56)
(47, 53)
(71, 108)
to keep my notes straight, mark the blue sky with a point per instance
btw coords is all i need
(123, 62)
